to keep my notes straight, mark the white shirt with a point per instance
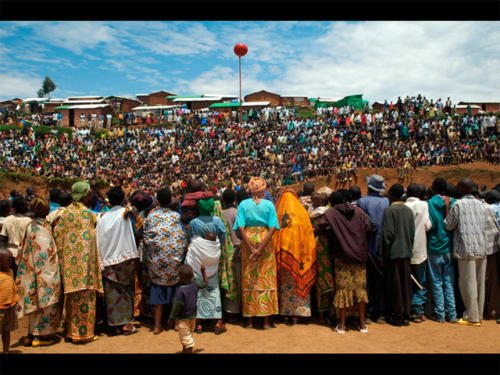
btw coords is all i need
(422, 224)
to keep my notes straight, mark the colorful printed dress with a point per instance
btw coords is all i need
(38, 279)
(227, 271)
(325, 285)
(165, 242)
(75, 237)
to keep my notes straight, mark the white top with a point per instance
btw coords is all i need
(422, 224)
(115, 238)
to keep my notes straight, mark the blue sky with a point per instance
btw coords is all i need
(378, 59)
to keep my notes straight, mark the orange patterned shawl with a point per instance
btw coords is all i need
(294, 242)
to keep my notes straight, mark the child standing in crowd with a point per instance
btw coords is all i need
(8, 299)
(184, 309)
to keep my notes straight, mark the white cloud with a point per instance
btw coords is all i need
(16, 84)
(378, 59)
(391, 59)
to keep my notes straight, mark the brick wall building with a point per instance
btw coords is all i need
(264, 96)
(120, 104)
(156, 98)
(288, 100)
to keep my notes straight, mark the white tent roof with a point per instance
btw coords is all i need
(250, 104)
(152, 107)
(72, 98)
(88, 106)
(27, 100)
(328, 99)
(222, 96)
(204, 99)
(83, 101)
(465, 106)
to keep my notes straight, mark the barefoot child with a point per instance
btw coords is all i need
(8, 299)
(184, 309)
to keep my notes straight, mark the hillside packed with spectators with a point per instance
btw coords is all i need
(271, 143)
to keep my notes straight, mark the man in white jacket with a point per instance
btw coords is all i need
(419, 252)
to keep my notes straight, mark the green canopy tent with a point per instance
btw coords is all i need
(224, 105)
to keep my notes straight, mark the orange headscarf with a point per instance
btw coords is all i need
(294, 242)
(257, 187)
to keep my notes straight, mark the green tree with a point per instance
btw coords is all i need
(40, 93)
(48, 86)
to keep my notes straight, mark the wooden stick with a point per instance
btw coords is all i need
(416, 282)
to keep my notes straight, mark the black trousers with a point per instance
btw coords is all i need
(398, 286)
(376, 291)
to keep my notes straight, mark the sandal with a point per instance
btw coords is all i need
(132, 331)
(220, 330)
(157, 331)
(199, 330)
(41, 342)
(341, 331)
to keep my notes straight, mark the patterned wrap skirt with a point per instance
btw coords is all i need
(259, 284)
(80, 315)
(291, 303)
(324, 276)
(350, 282)
(119, 292)
(209, 301)
(45, 321)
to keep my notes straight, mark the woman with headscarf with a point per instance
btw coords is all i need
(38, 280)
(257, 222)
(207, 234)
(296, 257)
(75, 237)
(119, 256)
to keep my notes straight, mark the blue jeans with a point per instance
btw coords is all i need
(442, 279)
(419, 295)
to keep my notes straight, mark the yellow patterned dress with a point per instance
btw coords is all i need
(75, 237)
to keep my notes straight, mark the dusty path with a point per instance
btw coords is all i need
(426, 337)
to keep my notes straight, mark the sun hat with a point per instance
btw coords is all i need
(376, 182)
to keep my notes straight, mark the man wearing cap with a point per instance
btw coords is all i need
(374, 204)
(75, 237)
(396, 243)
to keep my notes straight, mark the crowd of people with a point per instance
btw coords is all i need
(276, 145)
(196, 260)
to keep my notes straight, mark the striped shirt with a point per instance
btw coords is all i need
(8, 294)
(475, 228)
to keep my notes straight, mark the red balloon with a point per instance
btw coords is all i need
(240, 49)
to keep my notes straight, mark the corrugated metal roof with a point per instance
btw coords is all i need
(183, 97)
(199, 99)
(152, 107)
(83, 106)
(250, 104)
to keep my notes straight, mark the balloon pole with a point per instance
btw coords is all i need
(239, 58)
(240, 50)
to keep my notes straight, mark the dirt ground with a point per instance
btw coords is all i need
(426, 337)
(482, 173)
